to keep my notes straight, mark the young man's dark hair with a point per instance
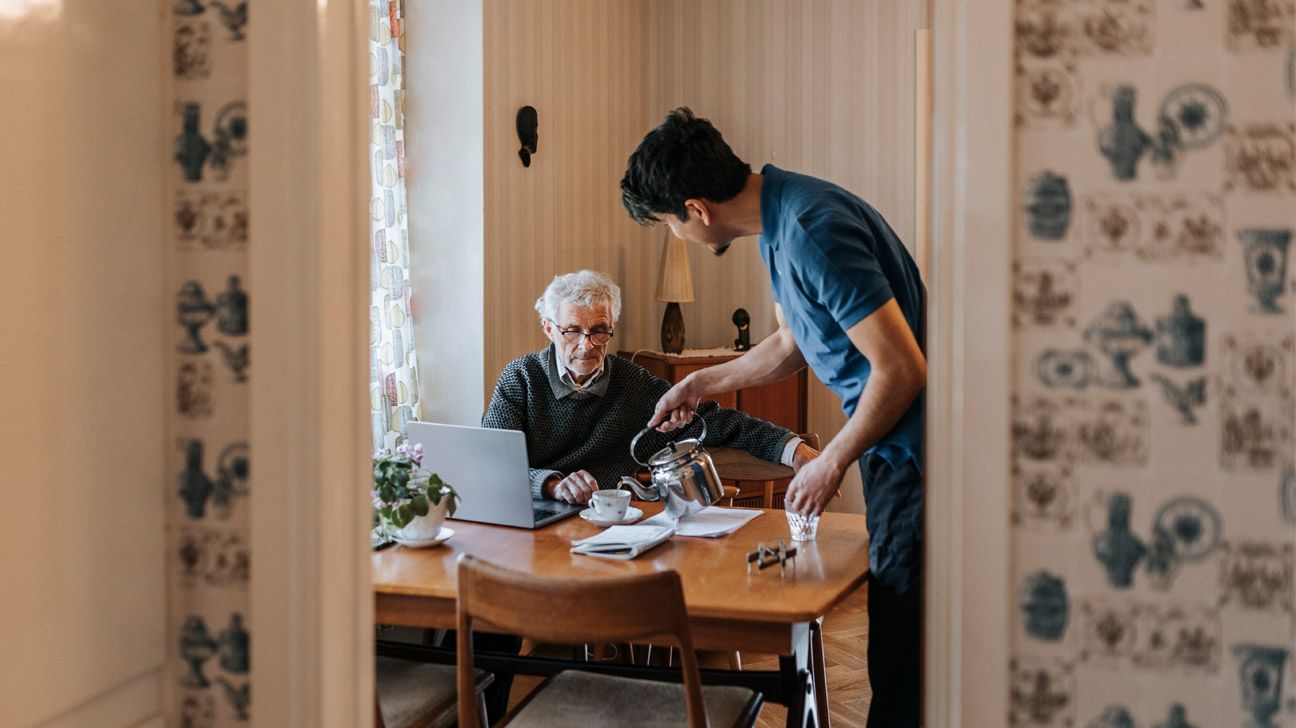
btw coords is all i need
(683, 158)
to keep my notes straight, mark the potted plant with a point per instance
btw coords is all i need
(408, 503)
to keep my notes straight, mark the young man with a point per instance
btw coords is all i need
(849, 303)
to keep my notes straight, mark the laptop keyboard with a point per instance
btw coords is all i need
(543, 513)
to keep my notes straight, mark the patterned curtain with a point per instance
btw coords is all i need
(393, 372)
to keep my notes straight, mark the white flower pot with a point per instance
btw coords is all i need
(423, 528)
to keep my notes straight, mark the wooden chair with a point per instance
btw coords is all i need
(413, 694)
(643, 607)
(734, 464)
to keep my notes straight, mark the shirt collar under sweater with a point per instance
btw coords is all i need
(562, 384)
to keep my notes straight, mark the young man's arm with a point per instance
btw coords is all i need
(899, 373)
(769, 361)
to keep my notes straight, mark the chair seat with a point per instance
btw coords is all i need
(418, 693)
(575, 698)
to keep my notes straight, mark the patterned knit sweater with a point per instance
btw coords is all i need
(592, 431)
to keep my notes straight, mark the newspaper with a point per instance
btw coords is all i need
(624, 542)
(709, 522)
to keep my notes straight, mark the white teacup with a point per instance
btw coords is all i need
(610, 504)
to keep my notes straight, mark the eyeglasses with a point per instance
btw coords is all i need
(597, 337)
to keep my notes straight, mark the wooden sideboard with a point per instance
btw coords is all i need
(782, 402)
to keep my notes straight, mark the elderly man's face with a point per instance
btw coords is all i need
(578, 352)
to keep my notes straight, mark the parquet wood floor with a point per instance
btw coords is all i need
(845, 651)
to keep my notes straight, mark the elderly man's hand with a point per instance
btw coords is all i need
(802, 456)
(575, 488)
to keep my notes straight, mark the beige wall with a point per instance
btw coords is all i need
(822, 88)
(825, 88)
(81, 540)
(582, 65)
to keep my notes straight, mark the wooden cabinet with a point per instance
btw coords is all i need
(782, 402)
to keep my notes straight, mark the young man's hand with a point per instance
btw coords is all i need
(813, 486)
(675, 408)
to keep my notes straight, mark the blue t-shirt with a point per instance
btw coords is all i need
(832, 261)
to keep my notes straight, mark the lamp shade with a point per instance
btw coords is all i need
(675, 280)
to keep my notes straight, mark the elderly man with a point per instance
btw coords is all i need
(580, 408)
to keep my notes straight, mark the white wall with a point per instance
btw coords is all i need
(444, 180)
(81, 540)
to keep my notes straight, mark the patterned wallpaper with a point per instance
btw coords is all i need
(1154, 506)
(208, 645)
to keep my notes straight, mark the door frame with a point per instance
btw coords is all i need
(966, 626)
(311, 621)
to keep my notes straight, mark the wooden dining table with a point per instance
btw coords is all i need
(731, 607)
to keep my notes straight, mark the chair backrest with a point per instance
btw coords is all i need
(737, 464)
(644, 607)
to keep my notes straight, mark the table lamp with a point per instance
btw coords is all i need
(674, 286)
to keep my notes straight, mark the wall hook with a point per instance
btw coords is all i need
(528, 123)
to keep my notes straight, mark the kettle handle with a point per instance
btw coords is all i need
(646, 430)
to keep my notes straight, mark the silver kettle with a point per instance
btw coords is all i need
(683, 476)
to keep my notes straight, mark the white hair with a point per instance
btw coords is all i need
(584, 288)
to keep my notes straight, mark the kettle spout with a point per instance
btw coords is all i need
(648, 494)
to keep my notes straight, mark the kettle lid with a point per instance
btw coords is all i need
(674, 451)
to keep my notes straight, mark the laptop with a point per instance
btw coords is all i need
(488, 468)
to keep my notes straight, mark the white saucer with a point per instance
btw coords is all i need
(442, 536)
(632, 514)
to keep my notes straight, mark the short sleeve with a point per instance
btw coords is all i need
(835, 266)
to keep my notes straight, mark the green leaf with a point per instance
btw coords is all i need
(441, 489)
(420, 505)
(404, 514)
